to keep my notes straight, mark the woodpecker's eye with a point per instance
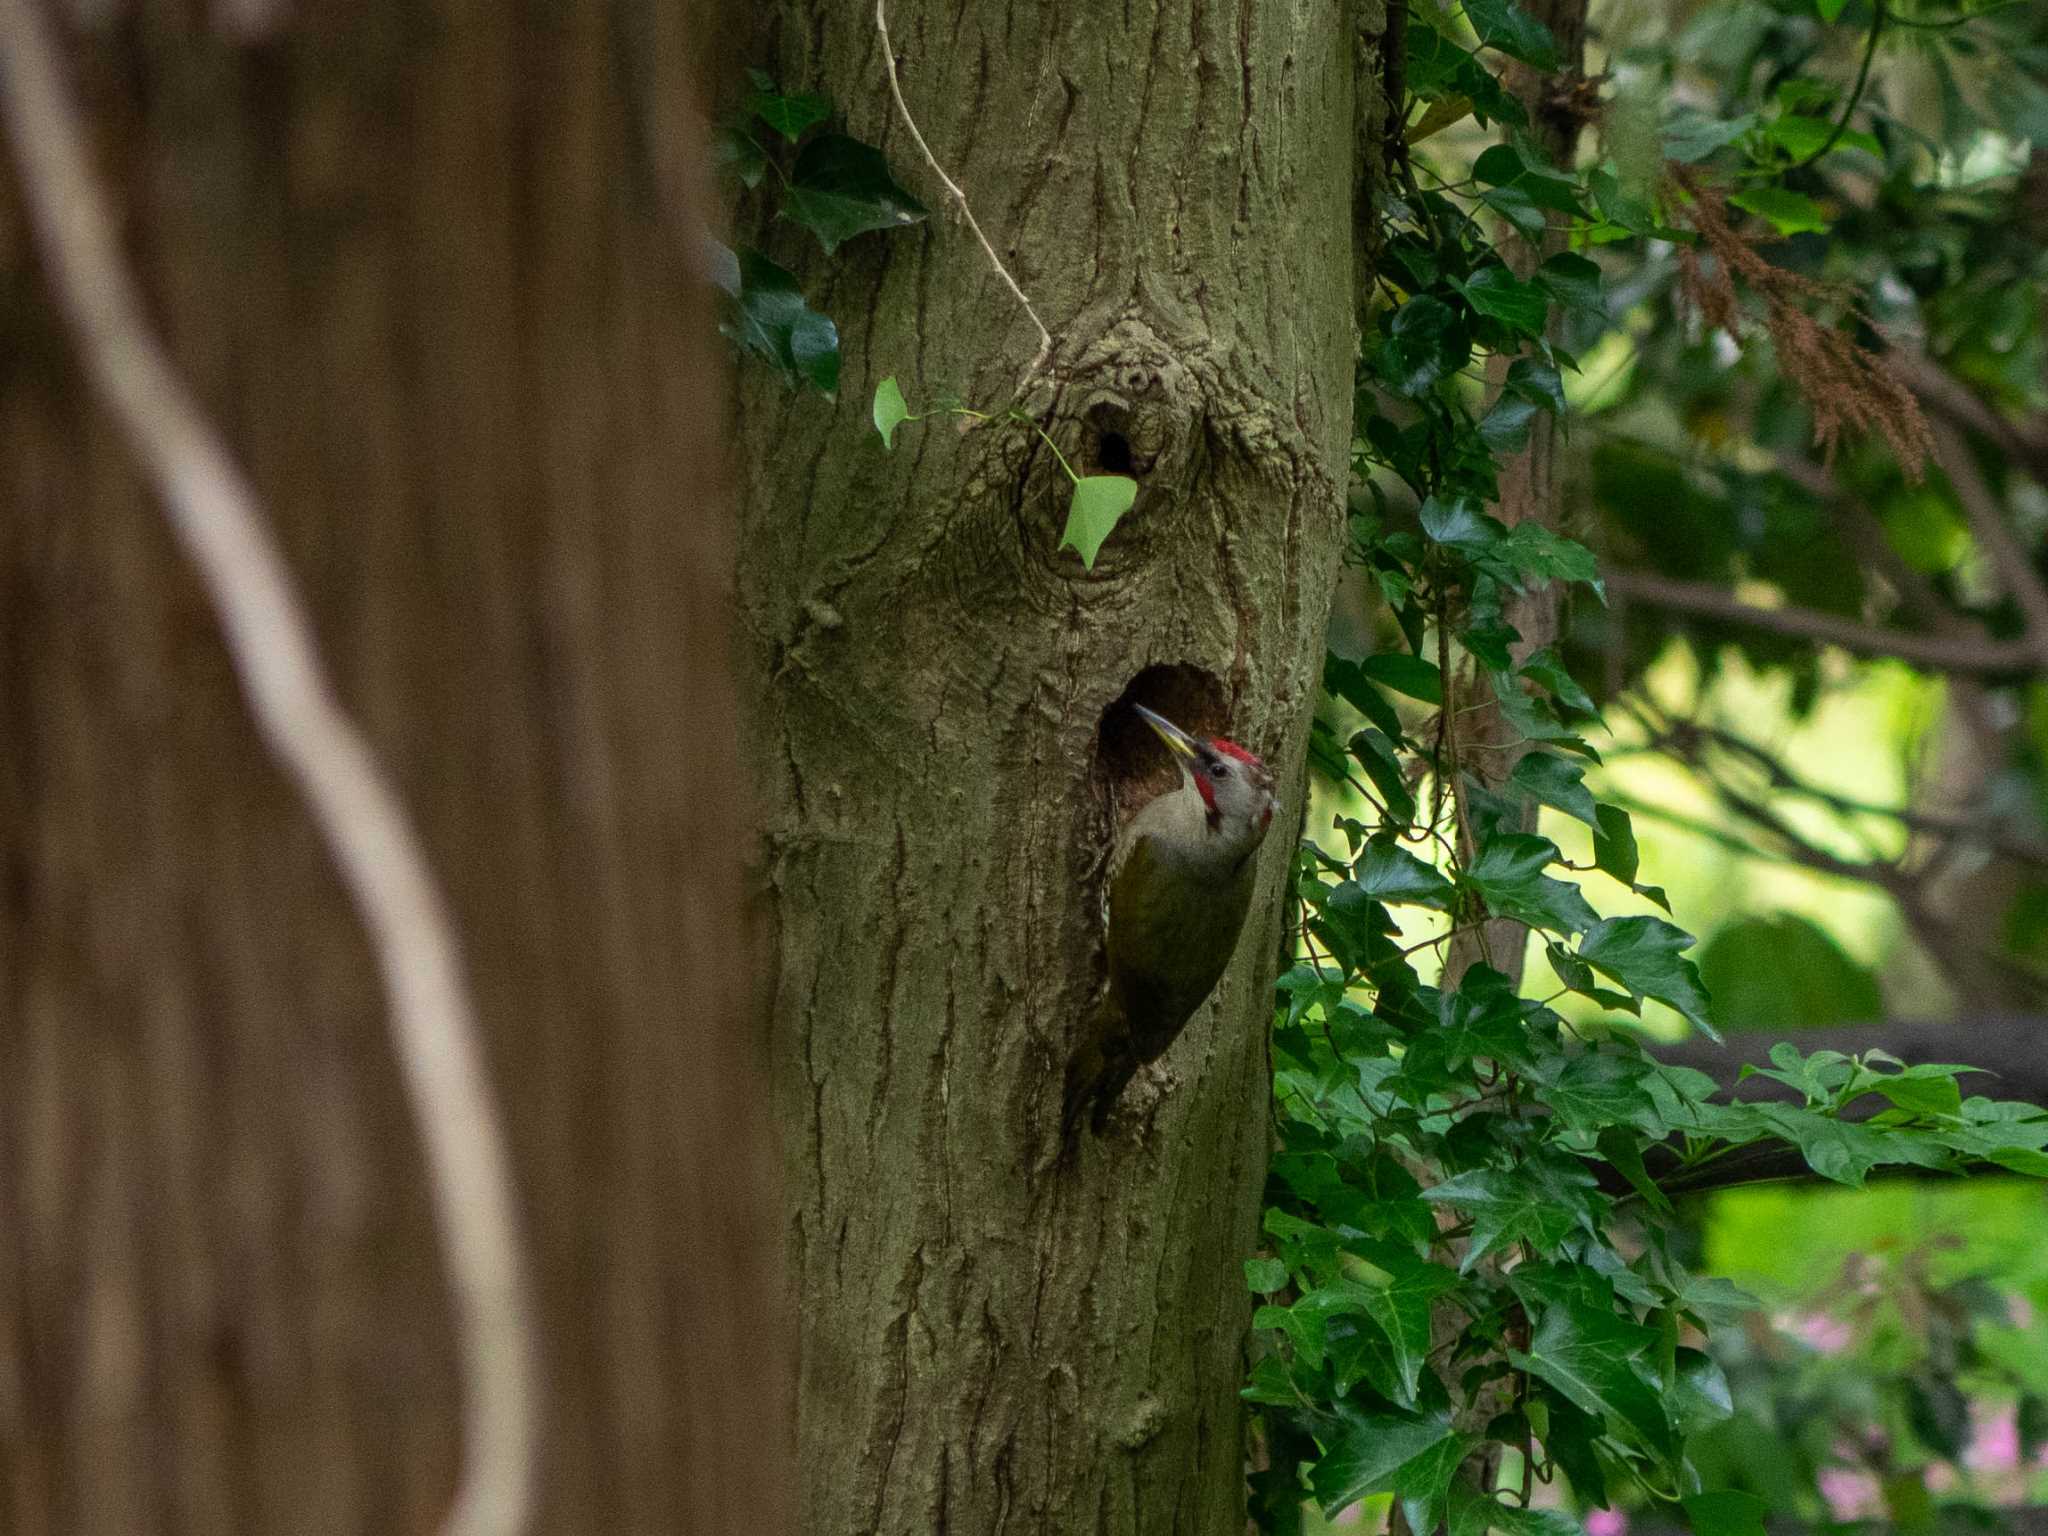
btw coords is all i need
(1218, 771)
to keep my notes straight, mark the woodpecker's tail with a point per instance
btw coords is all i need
(1096, 1079)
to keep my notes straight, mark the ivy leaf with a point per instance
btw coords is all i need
(1100, 501)
(1550, 780)
(1371, 1451)
(1536, 381)
(734, 153)
(1689, 135)
(1382, 1453)
(1505, 427)
(841, 188)
(1519, 209)
(1838, 1149)
(1407, 674)
(1373, 751)
(1504, 25)
(1591, 1355)
(1505, 1208)
(1264, 1276)
(787, 115)
(1342, 678)
(1642, 953)
(1597, 1089)
(1789, 213)
(1508, 874)
(890, 411)
(1505, 167)
(1546, 668)
(1402, 1308)
(1392, 874)
(1614, 844)
(1426, 342)
(1574, 280)
(1495, 291)
(1460, 523)
(1727, 1511)
(1532, 556)
(770, 319)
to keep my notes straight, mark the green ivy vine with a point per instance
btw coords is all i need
(1468, 1283)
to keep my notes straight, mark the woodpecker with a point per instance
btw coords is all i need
(1179, 883)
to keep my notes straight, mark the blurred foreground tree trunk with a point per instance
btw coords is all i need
(992, 1343)
(418, 270)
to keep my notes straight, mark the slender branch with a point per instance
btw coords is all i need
(1947, 653)
(1987, 522)
(214, 513)
(1946, 395)
(1877, 20)
(967, 213)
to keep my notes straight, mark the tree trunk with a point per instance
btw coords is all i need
(1558, 104)
(413, 269)
(992, 1341)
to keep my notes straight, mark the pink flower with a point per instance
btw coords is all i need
(1606, 1522)
(1821, 1333)
(1851, 1495)
(1996, 1445)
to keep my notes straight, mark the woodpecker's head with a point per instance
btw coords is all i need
(1234, 785)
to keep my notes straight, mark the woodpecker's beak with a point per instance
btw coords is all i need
(1176, 739)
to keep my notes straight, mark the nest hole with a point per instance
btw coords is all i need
(1132, 764)
(1108, 445)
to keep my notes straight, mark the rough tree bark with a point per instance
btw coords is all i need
(991, 1343)
(414, 268)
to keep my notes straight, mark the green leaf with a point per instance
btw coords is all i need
(1390, 873)
(1460, 523)
(734, 153)
(1597, 1089)
(1504, 25)
(770, 319)
(1265, 1276)
(1519, 209)
(787, 115)
(890, 411)
(1802, 137)
(1506, 168)
(1343, 679)
(1594, 1358)
(1550, 780)
(1614, 845)
(1642, 953)
(1574, 280)
(1100, 501)
(842, 188)
(1505, 1208)
(1412, 1458)
(1426, 342)
(1505, 428)
(1728, 1512)
(1790, 213)
(1690, 135)
(1374, 752)
(1547, 668)
(1536, 381)
(1835, 1149)
(1508, 874)
(1402, 1309)
(1497, 292)
(1403, 673)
